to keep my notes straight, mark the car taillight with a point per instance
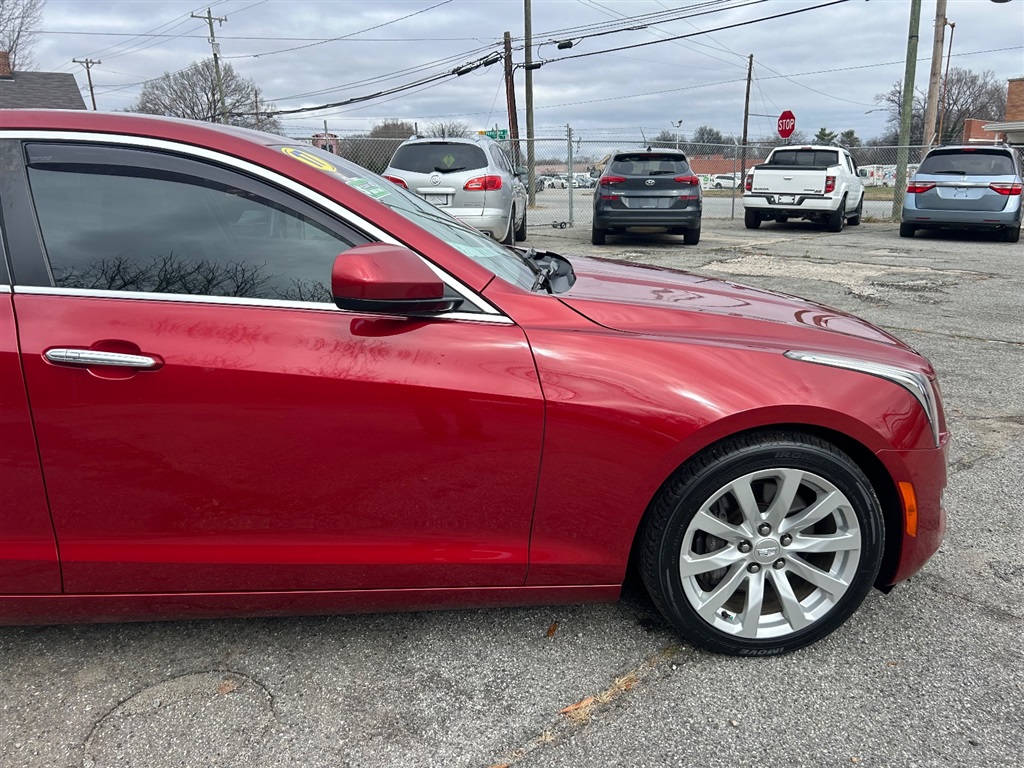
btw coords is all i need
(830, 184)
(687, 180)
(748, 185)
(398, 181)
(481, 183)
(608, 181)
(1006, 187)
(917, 187)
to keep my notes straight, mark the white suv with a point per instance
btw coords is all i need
(472, 179)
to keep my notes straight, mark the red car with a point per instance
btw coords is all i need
(240, 375)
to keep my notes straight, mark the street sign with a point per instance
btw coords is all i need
(787, 124)
(499, 134)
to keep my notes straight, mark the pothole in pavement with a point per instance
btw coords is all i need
(207, 718)
(864, 280)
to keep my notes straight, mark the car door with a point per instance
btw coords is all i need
(28, 550)
(207, 420)
(856, 185)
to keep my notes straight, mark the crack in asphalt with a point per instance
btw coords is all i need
(121, 703)
(962, 336)
(578, 715)
(996, 610)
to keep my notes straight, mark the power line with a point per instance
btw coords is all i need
(341, 37)
(703, 32)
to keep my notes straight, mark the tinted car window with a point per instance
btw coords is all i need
(441, 157)
(971, 162)
(132, 229)
(649, 165)
(808, 157)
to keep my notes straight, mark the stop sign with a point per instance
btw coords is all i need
(787, 124)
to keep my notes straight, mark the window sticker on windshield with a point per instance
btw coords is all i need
(367, 187)
(309, 158)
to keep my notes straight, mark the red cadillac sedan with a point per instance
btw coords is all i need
(242, 376)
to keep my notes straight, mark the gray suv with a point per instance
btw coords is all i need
(966, 187)
(472, 179)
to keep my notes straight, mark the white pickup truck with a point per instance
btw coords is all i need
(814, 183)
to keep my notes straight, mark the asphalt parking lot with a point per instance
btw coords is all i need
(930, 675)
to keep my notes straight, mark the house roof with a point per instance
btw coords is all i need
(40, 90)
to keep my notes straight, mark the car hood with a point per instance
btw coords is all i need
(658, 301)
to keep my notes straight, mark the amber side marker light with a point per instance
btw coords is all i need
(909, 499)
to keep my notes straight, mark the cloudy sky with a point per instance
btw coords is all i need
(826, 64)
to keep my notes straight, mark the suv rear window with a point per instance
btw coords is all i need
(805, 157)
(973, 162)
(442, 156)
(648, 165)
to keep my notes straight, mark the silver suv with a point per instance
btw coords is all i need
(472, 179)
(966, 187)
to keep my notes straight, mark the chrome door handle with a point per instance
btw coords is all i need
(95, 357)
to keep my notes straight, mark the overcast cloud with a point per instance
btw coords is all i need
(699, 81)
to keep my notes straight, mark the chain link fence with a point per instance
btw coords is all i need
(565, 170)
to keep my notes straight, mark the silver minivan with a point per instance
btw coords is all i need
(966, 187)
(472, 179)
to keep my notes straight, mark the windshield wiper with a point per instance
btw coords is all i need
(951, 171)
(439, 169)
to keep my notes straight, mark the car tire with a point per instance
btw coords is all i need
(521, 230)
(737, 574)
(858, 214)
(691, 236)
(837, 218)
(597, 236)
(509, 238)
(1011, 234)
(907, 230)
(718, 185)
(751, 219)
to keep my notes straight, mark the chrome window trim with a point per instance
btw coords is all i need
(272, 177)
(237, 301)
(917, 384)
(5, 289)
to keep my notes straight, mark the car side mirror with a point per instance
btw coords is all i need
(381, 278)
(522, 170)
(863, 173)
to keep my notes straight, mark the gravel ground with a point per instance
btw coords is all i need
(930, 675)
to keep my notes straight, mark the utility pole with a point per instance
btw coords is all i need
(510, 98)
(931, 111)
(906, 111)
(746, 117)
(88, 64)
(530, 155)
(210, 18)
(945, 80)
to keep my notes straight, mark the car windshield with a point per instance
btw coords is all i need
(466, 240)
(971, 162)
(648, 164)
(440, 156)
(808, 157)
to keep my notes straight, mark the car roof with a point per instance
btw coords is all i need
(472, 140)
(972, 148)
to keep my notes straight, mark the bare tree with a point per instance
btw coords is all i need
(967, 94)
(19, 25)
(450, 129)
(192, 93)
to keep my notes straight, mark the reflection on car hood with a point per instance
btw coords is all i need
(658, 301)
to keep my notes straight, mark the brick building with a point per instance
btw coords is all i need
(1011, 128)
